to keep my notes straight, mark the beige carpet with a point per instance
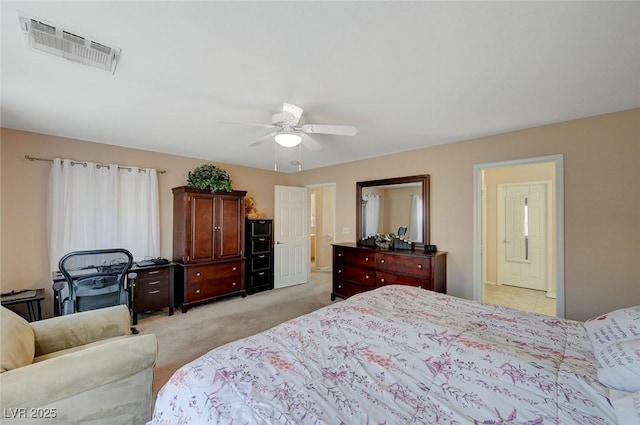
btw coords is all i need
(185, 337)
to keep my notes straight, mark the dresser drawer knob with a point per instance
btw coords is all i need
(419, 266)
(198, 274)
(339, 255)
(259, 256)
(382, 261)
(420, 286)
(366, 277)
(233, 284)
(197, 291)
(155, 282)
(154, 292)
(339, 286)
(339, 270)
(261, 274)
(154, 272)
(235, 268)
(366, 258)
(382, 280)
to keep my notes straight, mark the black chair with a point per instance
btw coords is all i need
(94, 279)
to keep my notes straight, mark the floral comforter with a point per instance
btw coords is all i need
(396, 355)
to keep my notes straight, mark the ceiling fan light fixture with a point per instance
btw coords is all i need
(288, 139)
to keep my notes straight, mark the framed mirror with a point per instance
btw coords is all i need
(398, 205)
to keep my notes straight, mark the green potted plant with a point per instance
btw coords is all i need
(210, 177)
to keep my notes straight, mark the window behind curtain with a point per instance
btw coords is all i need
(94, 206)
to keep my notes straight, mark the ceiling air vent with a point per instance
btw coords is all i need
(51, 38)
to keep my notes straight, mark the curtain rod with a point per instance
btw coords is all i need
(32, 158)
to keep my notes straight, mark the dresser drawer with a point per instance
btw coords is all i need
(199, 274)
(419, 267)
(355, 258)
(344, 289)
(357, 274)
(259, 279)
(259, 262)
(396, 279)
(259, 228)
(260, 245)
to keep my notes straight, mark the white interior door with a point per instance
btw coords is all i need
(291, 234)
(522, 235)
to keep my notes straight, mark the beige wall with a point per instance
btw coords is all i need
(602, 200)
(24, 261)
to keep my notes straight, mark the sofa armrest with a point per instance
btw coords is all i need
(60, 333)
(46, 382)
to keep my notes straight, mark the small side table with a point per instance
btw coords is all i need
(29, 297)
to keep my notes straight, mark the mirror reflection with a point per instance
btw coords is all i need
(393, 209)
(397, 206)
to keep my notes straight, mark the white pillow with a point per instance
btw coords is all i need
(619, 365)
(619, 325)
(626, 405)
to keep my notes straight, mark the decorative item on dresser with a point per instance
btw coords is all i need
(208, 244)
(358, 268)
(153, 289)
(259, 254)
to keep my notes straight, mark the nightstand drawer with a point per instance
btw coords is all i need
(151, 274)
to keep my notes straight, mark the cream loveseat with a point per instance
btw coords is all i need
(84, 368)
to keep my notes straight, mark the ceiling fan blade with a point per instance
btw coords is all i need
(255, 124)
(291, 113)
(263, 139)
(310, 144)
(338, 130)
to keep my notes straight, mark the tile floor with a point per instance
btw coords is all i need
(520, 298)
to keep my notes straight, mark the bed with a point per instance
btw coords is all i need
(403, 355)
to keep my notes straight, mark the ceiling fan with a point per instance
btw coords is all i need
(290, 127)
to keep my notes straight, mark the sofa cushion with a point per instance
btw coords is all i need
(48, 356)
(18, 341)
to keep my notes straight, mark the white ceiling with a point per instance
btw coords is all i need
(406, 74)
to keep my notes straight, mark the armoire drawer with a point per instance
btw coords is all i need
(197, 274)
(196, 291)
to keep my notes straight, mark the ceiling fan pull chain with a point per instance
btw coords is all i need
(275, 157)
(300, 157)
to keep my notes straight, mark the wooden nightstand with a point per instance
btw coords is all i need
(153, 289)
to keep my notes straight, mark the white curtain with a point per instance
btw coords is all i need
(371, 214)
(94, 206)
(415, 219)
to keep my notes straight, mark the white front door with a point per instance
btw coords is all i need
(522, 235)
(291, 234)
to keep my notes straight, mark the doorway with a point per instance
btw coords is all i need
(489, 247)
(322, 213)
